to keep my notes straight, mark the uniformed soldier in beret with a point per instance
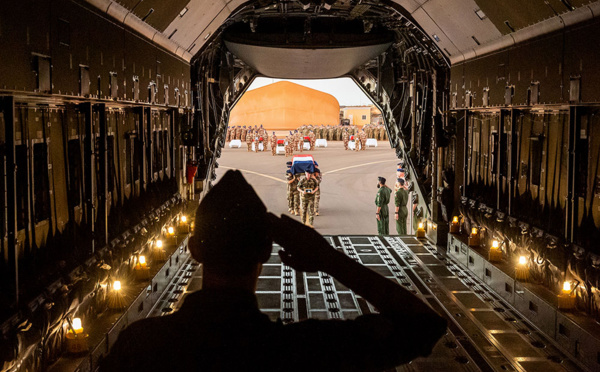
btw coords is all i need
(381, 201)
(400, 200)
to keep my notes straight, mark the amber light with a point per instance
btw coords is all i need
(183, 219)
(567, 287)
(455, 219)
(495, 244)
(77, 327)
(171, 230)
(420, 225)
(117, 285)
(159, 244)
(142, 260)
(522, 260)
(474, 231)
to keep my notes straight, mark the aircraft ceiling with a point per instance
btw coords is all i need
(461, 29)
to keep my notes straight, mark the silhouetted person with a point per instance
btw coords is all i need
(220, 328)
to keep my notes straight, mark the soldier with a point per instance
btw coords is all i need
(296, 194)
(298, 142)
(248, 138)
(290, 145)
(317, 175)
(274, 144)
(244, 134)
(400, 200)
(307, 187)
(313, 139)
(356, 142)
(238, 132)
(362, 136)
(228, 137)
(338, 133)
(381, 201)
(291, 185)
(345, 138)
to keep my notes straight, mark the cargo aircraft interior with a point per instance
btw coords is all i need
(492, 107)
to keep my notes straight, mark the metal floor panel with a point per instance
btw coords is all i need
(485, 333)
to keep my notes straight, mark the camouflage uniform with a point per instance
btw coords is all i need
(248, 138)
(308, 199)
(346, 138)
(244, 134)
(274, 144)
(238, 133)
(296, 195)
(289, 148)
(299, 142)
(312, 140)
(362, 136)
(318, 177)
(291, 186)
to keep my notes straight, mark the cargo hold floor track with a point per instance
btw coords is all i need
(484, 333)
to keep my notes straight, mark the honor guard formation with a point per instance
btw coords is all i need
(305, 137)
(401, 197)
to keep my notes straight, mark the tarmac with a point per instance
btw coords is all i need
(348, 187)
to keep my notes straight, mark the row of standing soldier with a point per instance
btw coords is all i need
(304, 193)
(335, 133)
(400, 201)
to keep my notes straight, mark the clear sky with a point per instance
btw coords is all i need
(343, 89)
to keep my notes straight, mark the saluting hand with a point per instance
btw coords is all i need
(304, 249)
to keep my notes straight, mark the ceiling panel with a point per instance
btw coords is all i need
(409, 5)
(296, 63)
(521, 13)
(460, 22)
(203, 17)
(431, 28)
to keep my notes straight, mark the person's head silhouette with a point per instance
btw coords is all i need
(231, 238)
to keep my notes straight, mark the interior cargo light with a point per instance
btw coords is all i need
(522, 270)
(474, 238)
(77, 327)
(116, 299)
(76, 340)
(567, 298)
(495, 254)
(454, 226)
(420, 231)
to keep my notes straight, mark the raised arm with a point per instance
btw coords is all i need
(304, 249)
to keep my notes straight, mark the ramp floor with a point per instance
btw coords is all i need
(484, 333)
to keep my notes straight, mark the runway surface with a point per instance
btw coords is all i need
(347, 191)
